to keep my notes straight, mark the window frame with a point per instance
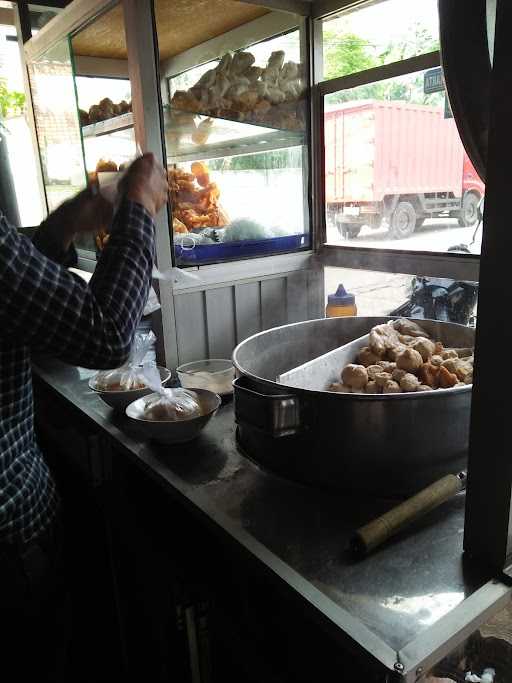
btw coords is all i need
(431, 263)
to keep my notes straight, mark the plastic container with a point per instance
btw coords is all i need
(340, 304)
(215, 374)
(203, 253)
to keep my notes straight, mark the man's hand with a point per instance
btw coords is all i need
(146, 183)
(88, 211)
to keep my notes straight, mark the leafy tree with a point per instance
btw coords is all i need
(11, 101)
(346, 54)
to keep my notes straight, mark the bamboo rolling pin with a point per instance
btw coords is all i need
(373, 534)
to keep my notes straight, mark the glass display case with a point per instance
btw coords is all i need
(234, 89)
(236, 122)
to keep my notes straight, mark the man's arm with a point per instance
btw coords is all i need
(46, 307)
(52, 310)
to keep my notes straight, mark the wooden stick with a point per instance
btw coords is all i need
(373, 534)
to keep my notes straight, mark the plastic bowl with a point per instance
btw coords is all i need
(215, 374)
(120, 399)
(179, 431)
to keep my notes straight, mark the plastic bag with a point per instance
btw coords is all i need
(169, 404)
(129, 376)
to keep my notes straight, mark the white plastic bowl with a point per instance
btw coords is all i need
(120, 399)
(169, 431)
(215, 374)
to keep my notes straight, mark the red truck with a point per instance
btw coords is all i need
(396, 162)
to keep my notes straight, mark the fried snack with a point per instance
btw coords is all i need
(195, 200)
(105, 165)
(178, 227)
(447, 379)
(429, 374)
(101, 240)
(84, 117)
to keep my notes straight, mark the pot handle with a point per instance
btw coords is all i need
(275, 414)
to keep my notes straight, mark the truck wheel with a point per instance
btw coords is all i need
(403, 220)
(349, 231)
(468, 215)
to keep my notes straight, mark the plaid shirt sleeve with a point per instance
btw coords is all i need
(54, 311)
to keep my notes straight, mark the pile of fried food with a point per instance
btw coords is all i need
(400, 357)
(106, 109)
(236, 89)
(195, 199)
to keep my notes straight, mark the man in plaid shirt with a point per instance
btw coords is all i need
(47, 309)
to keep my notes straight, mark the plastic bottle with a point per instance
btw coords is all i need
(341, 303)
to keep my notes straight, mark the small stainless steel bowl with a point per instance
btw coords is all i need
(120, 399)
(174, 431)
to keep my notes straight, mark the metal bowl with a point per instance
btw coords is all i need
(179, 431)
(120, 399)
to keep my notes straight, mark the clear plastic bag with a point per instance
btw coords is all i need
(130, 376)
(169, 404)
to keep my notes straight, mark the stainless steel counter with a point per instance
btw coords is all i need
(409, 602)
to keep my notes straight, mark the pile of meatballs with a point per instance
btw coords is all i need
(401, 358)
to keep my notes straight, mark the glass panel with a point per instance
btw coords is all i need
(354, 40)
(396, 173)
(20, 195)
(235, 129)
(103, 92)
(53, 94)
(379, 293)
(486, 656)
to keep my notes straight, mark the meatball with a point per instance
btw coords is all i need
(451, 364)
(449, 353)
(436, 360)
(464, 372)
(373, 370)
(395, 351)
(366, 357)
(355, 376)
(397, 374)
(409, 382)
(409, 359)
(391, 387)
(424, 347)
(386, 365)
(382, 377)
(372, 388)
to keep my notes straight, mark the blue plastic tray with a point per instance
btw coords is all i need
(202, 253)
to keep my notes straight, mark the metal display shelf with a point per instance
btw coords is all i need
(113, 125)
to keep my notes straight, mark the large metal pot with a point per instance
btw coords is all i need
(391, 444)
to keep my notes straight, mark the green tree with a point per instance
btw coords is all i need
(346, 53)
(11, 101)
